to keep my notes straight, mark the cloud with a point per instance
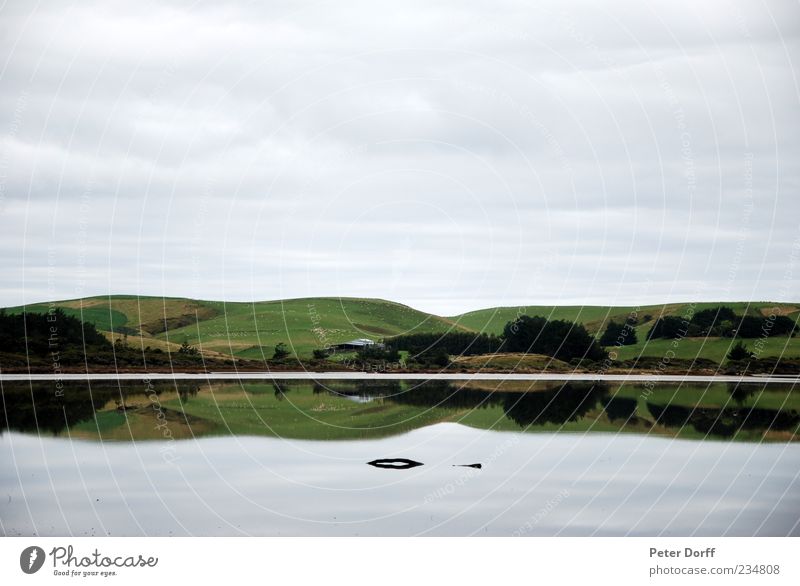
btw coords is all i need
(449, 156)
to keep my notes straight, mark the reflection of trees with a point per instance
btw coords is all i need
(724, 422)
(186, 391)
(446, 395)
(35, 406)
(279, 389)
(568, 403)
(741, 392)
(383, 388)
(38, 409)
(620, 408)
(559, 405)
(441, 394)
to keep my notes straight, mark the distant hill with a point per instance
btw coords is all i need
(251, 330)
(596, 317)
(247, 330)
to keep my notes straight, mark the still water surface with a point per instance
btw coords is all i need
(290, 458)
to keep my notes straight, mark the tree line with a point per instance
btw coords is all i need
(460, 343)
(722, 322)
(55, 339)
(41, 334)
(560, 339)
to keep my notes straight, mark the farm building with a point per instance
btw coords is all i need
(353, 345)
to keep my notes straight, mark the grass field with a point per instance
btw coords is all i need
(510, 361)
(251, 330)
(595, 317)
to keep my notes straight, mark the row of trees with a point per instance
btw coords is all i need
(534, 335)
(42, 334)
(55, 339)
(558, 338)
(722, 322)
(460, 343)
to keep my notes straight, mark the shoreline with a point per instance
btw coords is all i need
(339, 375)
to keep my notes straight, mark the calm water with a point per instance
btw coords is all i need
(290, 458)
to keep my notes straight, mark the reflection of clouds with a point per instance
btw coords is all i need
(263, 486)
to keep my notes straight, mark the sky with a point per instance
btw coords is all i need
(451, 155)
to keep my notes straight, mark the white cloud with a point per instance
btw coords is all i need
(448, 156)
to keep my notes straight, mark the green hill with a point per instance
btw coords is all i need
(247, 330)
(596, 317)
(251, 330)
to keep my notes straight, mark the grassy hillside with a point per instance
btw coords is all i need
(595, 319)
(247, 330)
(251, 330)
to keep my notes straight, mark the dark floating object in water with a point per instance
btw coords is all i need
(395, 463)
(478, 466)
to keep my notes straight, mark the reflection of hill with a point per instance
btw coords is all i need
(724, 422)
(341, 409)
(558, 404)
(36, 407)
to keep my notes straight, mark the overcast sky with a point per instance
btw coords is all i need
(448, 155)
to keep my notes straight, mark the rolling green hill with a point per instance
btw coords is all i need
(251, 330)
(247, 330)
(595, 319)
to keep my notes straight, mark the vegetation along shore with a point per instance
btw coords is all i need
(124, 333)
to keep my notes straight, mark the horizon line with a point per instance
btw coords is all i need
(110, 296)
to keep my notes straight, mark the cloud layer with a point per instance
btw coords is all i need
(451, 157)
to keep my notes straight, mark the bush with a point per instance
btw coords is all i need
(435, 357)
(379, 353)
(738, 352)
(186, 349)
(281, 352)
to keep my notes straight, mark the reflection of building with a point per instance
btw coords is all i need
(353, 345)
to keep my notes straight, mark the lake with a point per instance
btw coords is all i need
(290, 457)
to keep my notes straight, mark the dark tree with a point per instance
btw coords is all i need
(738, 352)
(618, 335)
(669, 327)
(708, 319)
(558, 338)
(40, 334)
(281, 352)
(457, 343)
(756, 327)
(187, 349)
